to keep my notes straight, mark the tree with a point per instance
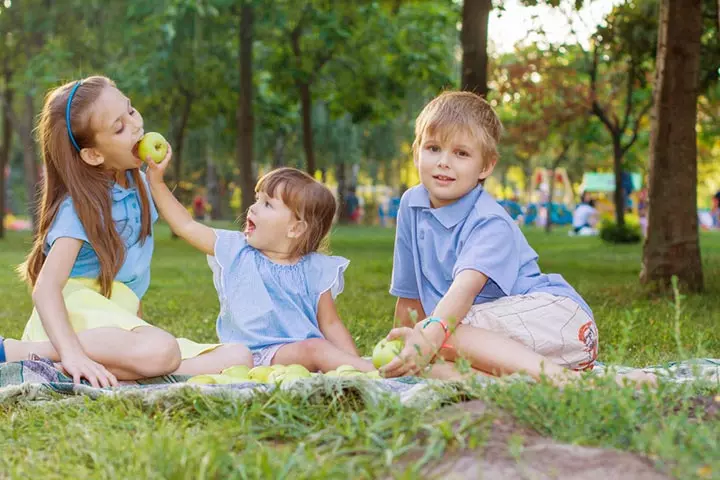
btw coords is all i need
(474, 36)
(622, 101)
(245, 117)
(5, 146)
(672, 245)
(542, 128)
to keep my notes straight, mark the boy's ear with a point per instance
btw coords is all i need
(92, 157)
(487, 171)
(297, 229)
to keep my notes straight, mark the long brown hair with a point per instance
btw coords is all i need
(89, 186)
(308, 199)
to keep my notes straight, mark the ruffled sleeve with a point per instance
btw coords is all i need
(327, 273)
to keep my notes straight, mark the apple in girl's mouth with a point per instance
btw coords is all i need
(152, 145)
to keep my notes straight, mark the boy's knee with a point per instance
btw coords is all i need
(157, 354)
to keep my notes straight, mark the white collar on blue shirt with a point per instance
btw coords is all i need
(449, 215)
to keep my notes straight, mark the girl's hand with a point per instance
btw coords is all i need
(156, 171)
(78, 366)
(417, 354)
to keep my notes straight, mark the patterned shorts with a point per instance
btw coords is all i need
(555, 327)
(264, 356)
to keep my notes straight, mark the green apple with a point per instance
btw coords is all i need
(282, 376)
(385, 351)
(239, 372)
(260, 373)
(350, 373)
(277, 366)
(299, 369)
(211, 379)
(375, 374)
(202, 380)
(345, 368)
(331, 373)
(152, 145)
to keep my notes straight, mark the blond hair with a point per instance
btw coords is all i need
(453, 112)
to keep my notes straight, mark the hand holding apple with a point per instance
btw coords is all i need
(417, 353)
(385, 351)
(152, 145)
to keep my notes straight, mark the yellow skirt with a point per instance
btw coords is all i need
(88, 309)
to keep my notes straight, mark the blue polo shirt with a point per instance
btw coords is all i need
(127, 215)
(433, 245)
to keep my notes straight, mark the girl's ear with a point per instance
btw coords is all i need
(92, 157)
(297, 229)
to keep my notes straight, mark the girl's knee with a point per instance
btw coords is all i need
(238, 354)
(157, 353)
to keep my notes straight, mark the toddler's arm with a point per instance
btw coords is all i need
(181, 222)
(332, 327)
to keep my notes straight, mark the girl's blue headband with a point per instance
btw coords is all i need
(67, 115)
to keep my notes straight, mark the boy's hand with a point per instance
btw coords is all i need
(156, 171)
(418, 352)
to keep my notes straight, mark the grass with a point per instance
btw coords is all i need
(282, 437)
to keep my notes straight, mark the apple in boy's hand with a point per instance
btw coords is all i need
(385, 351)
(152, 145)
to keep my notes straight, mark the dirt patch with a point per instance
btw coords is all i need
(515, 452)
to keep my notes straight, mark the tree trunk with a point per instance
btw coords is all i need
(211, 183)
(527, 173)
(474, 37)
(5, 147)
(672, 244)
(618, 169)
(246, 120)
(341, 174)
(30, 164)
(306, 108)
(278, 158)
(551, 191)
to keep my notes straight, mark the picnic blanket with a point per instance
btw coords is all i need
(37, 380)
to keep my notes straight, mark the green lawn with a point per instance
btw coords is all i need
(277, 437)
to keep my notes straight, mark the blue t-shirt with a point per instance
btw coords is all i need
(433, 245)
(263, 303)
(127, 216)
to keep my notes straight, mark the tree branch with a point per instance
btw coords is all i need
(596, 108)
(628, 97)
(636, 126)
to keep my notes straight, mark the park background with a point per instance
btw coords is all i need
(239, 87)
